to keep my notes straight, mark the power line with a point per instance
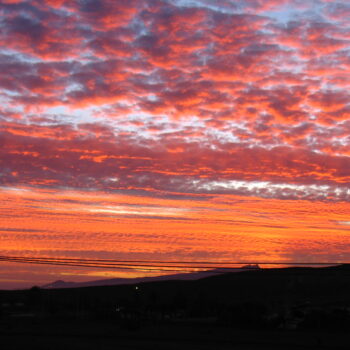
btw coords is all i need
(170, 263)
(163, 262)
(152, 265)
(104, 266)
(87, 263)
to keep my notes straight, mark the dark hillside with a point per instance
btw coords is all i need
(304, 301)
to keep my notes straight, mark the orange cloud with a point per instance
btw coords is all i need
(187, 115)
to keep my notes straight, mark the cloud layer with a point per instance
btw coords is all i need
(176, 99)
(164, 95)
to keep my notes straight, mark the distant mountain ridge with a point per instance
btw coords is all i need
(59, 284)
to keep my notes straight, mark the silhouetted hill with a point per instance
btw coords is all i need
(265, 303)
(276, 289)
(118, 281)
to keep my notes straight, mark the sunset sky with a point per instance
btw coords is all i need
(173, 130)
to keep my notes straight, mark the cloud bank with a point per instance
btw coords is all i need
(181, 111)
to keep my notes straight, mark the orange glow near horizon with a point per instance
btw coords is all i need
(225, 228)
(173, 130)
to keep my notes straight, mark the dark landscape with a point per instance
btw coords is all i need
(158, 158)
(289, 308)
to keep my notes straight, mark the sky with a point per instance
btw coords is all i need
(210, 130)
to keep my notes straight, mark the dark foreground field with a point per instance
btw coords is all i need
(295, 308)
(106, 336)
